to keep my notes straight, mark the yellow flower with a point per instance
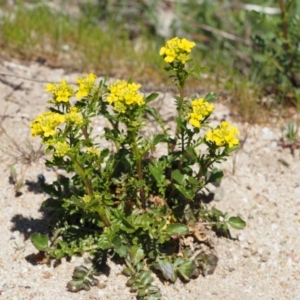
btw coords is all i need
(120, 107)
(74, 116)
(176, 49)
(93, 151)
(61, 91)
(86, 198)
(186, 45)
(45, 124)
(200, 110)
(85, 85)
(61, 149)
(123, 95)
(223, 135)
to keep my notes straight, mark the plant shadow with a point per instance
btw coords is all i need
(28, 225)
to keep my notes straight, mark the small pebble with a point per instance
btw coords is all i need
(265, 256)
(253, 249)
(246, 253)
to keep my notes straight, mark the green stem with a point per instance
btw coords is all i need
(203, 170)
(138, 159)
(88, 185)
(284, 23)
(181, 95)
(85, 133)
(80, 170)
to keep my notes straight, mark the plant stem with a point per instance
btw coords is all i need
(88, 185)
(205, 167)
(85, 133)
(138, 159)
(80, 170)
(284, 23)
(181, 95)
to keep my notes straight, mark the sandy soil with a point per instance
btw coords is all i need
(261, 184)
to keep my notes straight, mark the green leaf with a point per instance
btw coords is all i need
(139, 183)
(80, 272)
(178, 177)
(216, 175)
(128, 272)
(105, 152)
(49, 189)
(120, 248)
(217, 212)
(159, 138)
(237, 223)
(77, 285)
(166, 268)
(59, 253)
(40, 241)
(192, 180)
(188, 193)
(211, 97)
(117, 242)
(63, 245)
(187, 270)
(51, 204)
(82, 279)
(152, 112)
(191, 152)
(206, 262)
(143, 292)
(136, 254)
(177, 229)
(91, 280)
(146, 277)
(153, 289)
(151, 97)
(131, 281)
(156, 173)
(135, 287)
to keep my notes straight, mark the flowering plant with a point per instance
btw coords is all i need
(122, 199)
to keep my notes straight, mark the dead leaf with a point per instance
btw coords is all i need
(157, 200)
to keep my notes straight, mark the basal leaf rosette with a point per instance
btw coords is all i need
(225, 135)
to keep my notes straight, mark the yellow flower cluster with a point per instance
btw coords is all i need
(85, 85)
(61, 149)
(123, 95)
(74, 116)
(61, 91)
(45, 124)
(200, 109)
(93, 151)
(86, 198)
(223, 135)
(177, 49)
